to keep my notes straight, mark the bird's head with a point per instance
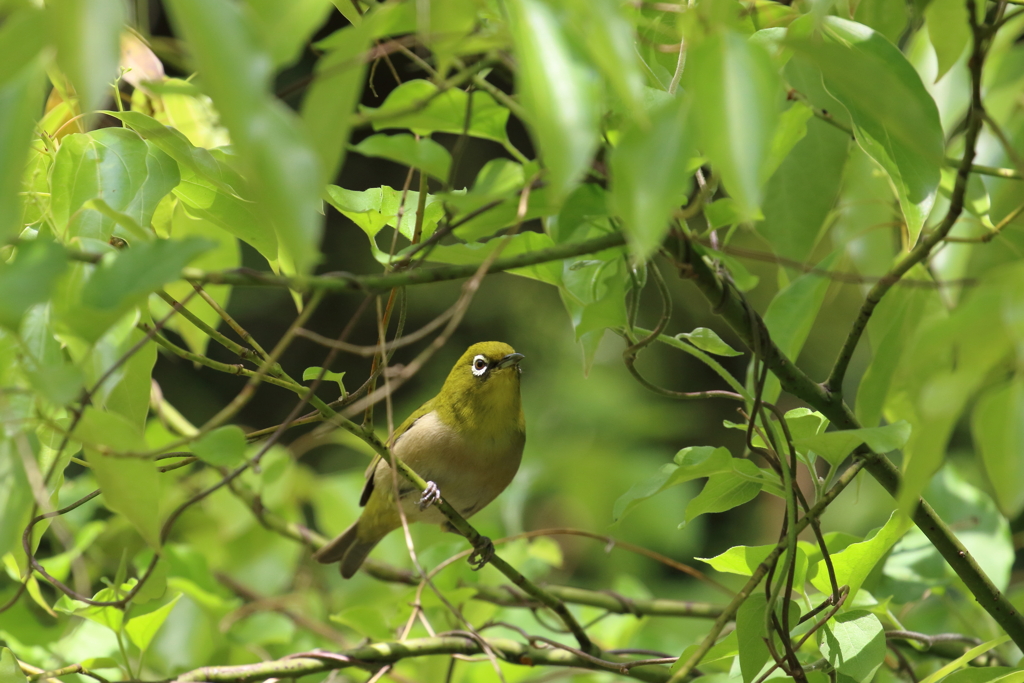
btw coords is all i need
(485, 382)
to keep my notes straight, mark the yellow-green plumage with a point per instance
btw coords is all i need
(468, 440)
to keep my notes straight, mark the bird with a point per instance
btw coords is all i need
(466, 442)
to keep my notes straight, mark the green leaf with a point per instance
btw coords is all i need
(969, 656)
(558, 92)
(736, 95)
(278, 157)
(726, 490)
(142, 628)
(725, 211)
(708, 340)
(594, 293)
(10, 671)
(791, 315)
(750, 621)
(949, 31)
(60, 382)
(237, 215)
(286, 27)
(888, 17)
(21, 90)
(607, 36)
(740, 559)
(423, 154)
(225, 256)
(223, 447)
(311, 373)
(854, 643)
(523, 243)
(895, 120)
(176, 145)
(645, 201)
(15, 497)
(857, 560)
(800, 195)
(691, 463)
(130, 486)
(334, 93)
(835, 446)
(372, 209)
(999, 434)
(890, 329)
(28, 279)
(91, 302)
(444, 112)
(86, 33)
(113, 164)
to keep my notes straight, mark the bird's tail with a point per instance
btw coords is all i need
(347, 548)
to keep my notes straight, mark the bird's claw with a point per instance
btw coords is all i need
(430, 496)
(482, 553)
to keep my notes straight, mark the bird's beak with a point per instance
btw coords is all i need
(510, 359)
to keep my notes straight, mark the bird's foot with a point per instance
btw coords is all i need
(430, 496)
(483, 551)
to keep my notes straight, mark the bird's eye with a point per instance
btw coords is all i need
(479, 365)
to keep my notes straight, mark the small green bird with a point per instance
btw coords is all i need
(466, 442)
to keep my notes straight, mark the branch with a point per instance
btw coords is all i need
(509, 651)
(734, 309)
(606, 600)
(341, 282)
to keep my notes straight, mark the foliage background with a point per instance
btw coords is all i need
(592, 435)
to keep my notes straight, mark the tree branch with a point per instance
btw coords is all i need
(342, 282)
(508, 651)
(734, 309)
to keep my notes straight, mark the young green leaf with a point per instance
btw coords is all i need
(86, 33)
(740, 559)
(23, 34)
(835, 446)
(423, 154)
(645, 201)
(130, 486)
(444, 112)
(28, 279)
(334, 94)
(750, 621)
(854, 643)
(725, 491)
(999, 433)
(791, 315)
(800, 195)
(857, 560)
(691, 463)
(736, 93)
(113, 164)
(223, 447)
(311, 373)
(10, 669)
(142, 628)
(708, 340)
(948, 30)
(558, 90)
(280, 160)
(895, 120)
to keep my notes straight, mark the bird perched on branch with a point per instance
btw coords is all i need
(466, 442)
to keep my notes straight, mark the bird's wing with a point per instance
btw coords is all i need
(402, 429)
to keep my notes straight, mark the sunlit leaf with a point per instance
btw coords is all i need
(87, 35)
(949, 31)
(141, 628)
(857, 560)
(113, 164)
(558, 91)
(835, 446)
(708, 340)
(223, 447)
(643, 200)
(895, 119)
(279, 158)
(999, 432)
(736, 95)
(854, 643)
(423, 154)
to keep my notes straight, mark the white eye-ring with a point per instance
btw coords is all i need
(479, 366)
